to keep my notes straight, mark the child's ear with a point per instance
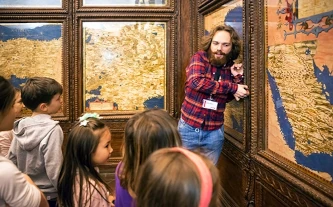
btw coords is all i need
(43, 107)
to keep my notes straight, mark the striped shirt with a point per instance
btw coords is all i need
(199, 85)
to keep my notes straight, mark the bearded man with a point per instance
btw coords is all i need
(212, 80)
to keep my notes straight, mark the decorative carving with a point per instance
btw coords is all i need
(235, 154)
(169, 19)
(41, 10)
(318, 183)
(17, 66)
(284, 192)
(285, 184)
(292, 184)
(135, 9)
(253, 75)
(248, 185)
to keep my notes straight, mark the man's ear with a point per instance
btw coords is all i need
(43, 107)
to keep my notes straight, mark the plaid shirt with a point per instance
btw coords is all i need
(199, 85)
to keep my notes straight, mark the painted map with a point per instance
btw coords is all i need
(30, 3)
(300, 83)
(124, 2)
(124, 65)
(232, 15)
(30, 49)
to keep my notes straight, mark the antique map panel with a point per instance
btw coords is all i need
(31, 3)
(124, 65)
(30, 49)
(300, 82)
(232, 15)
(124, 2)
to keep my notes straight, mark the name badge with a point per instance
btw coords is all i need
(208, 104)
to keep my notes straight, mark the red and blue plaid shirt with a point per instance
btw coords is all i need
(199, 85)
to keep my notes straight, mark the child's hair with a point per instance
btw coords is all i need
(7, 96)
(178, 177)
(39, 90)
(82, 142)
(145, 133)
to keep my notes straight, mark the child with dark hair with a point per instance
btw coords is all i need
(145, 132)
(89, 145)
(16, 188)
(37, 145)
(6, 137)
(7, 99)
(178, 177)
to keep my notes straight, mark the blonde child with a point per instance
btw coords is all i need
(178, 177)
(89, 145)
(6, 137)
(145, 133)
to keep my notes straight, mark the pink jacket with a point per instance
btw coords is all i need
(90, 196)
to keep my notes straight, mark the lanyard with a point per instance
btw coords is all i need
(216, 77)
(217, 74)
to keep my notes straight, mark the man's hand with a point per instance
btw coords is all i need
(237, 69)
(242, 92)
(236, 97)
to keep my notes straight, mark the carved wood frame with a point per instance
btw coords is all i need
(169, 7)
(64, 20)
(273, 172)
(171, 56)
(35, 10)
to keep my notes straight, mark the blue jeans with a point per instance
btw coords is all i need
(208, 142)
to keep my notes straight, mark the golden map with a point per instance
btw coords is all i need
(300, 82)
(30, 49)
(124, 65)
(28, 58)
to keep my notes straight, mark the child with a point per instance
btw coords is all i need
(178, 177)
(89, 145)
(36, 147)
(144, 133)
(16, 188)
(6, 137)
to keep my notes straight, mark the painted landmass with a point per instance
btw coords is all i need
(230, 13)
(302, 104)
(300, 77)
(124, 65)
(28, 50)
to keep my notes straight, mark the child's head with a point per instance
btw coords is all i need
(178, 177)
(42, 94)
(89, 142)
(7, 100)
(88, 145)
(145, 133)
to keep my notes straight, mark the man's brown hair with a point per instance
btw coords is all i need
(206, 41)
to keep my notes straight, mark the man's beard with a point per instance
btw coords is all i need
(217, 61)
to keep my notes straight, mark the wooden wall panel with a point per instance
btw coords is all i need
(231, 181)
(232, 165)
